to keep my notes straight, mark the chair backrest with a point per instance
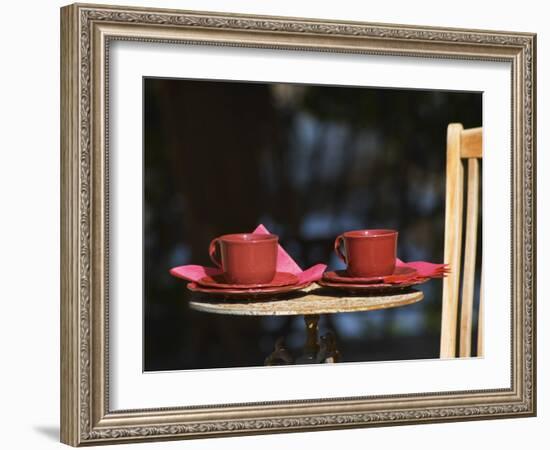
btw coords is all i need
(462, 145)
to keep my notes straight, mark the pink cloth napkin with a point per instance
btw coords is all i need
(285, 263)
(426, 269)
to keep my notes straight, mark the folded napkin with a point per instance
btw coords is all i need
(285, 263)
(426, 269)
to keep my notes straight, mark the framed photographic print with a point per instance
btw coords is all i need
(278, 224)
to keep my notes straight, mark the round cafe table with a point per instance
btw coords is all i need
(311, 302)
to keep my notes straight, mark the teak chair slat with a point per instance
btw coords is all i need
(480, 337)
(461, 145)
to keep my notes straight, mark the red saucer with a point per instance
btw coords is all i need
(219, 282)
(253, 293)
(399, 275)
(371, 287)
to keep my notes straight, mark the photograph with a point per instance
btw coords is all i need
(228, 164)
(278, 224)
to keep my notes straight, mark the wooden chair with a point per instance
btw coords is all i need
(462, 146)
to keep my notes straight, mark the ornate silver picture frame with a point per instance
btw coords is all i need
(87, 31)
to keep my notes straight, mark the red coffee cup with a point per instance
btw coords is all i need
(368, 253)
(246, 258)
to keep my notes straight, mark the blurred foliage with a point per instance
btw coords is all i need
(309, 162)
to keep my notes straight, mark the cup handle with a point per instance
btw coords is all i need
(337, 245)
(212, 252)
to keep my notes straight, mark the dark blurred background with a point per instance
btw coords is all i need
(309, 162)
